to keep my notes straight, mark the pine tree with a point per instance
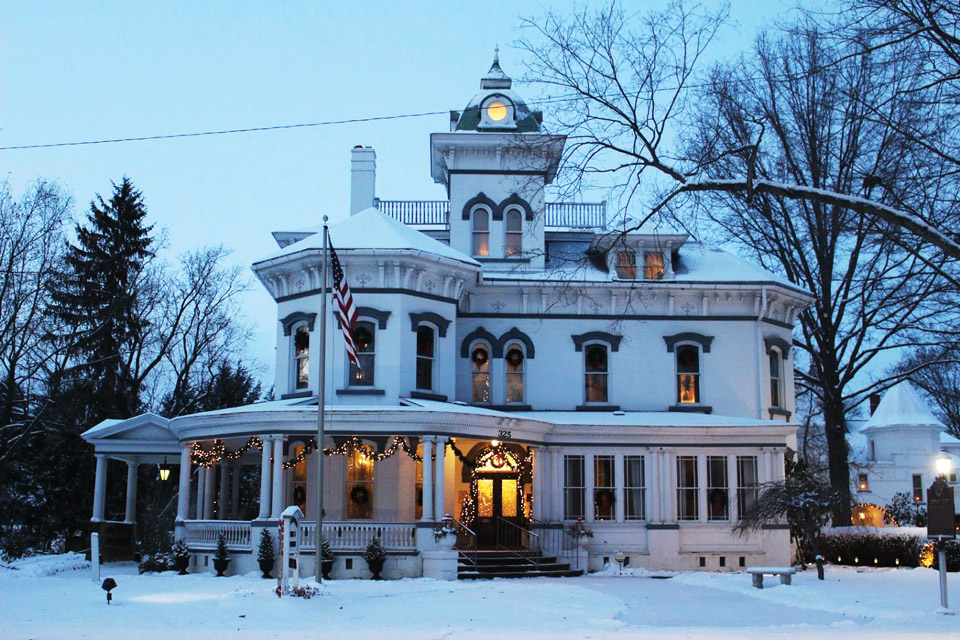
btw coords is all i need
(97, 301)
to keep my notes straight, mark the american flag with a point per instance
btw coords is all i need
(347, 309)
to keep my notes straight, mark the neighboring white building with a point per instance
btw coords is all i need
(557, 370)
(894, 452)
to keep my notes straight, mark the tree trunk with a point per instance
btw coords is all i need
(835, 427)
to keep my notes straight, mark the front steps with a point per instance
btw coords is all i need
(507, 564)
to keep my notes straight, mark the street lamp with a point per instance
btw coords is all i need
(944, 463)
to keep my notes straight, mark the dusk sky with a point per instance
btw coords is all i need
(76, 71)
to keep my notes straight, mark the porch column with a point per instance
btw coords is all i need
(537, 511)
(130, 514)
(277, 480)
(427, 479)
(183, 496)
(99, 488)
(733, 498)
(210, 483)
(668, 467)
(588, 471)
(556, 484)
(224, 487)
(235, 470)
(652, 480)
(265, 480)
(438, 501)
(201, 491)
(619, 505)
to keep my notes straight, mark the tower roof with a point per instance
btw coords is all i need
(496, 86)
(902, 406)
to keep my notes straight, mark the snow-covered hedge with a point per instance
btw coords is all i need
(856, 546)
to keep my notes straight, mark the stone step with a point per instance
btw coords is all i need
(514, 568)
(569, 573)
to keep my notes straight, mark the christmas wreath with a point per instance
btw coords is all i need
(514, 357)
(359, 495)
(479, 356)
(597, 358)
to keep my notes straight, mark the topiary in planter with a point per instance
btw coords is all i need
(326, 560)
(181, 556)
(266, 556)
(375, 556)
(221, 558)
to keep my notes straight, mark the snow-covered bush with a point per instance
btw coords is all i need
(953, 556)
(903, 509)
(157, 562)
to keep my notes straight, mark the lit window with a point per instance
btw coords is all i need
(513, 246)
(776, 379)
(515, 361)
(301, 355)
(425, 357)
(359, 486)
(300, 479)
(496, 111)
(918, 488)
(603, 488)
(862, 483)
(718, 493)
(480, 365)
(634, 488)
(595, 373)
(481, 232)
(418, 484)
(688, 374)
(574, 487)
(747, 481)
(688, 488)
(652, 265)
(364, 337)
(626, 264)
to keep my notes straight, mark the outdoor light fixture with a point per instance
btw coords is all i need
(495, 443)
(944, 464)
(164, 470)
(108, 585)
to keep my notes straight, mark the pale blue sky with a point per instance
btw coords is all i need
(89, 70)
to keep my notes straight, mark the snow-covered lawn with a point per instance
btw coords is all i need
(55, 597)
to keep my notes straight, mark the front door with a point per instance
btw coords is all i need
(498, 498)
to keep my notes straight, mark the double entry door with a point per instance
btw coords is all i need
(499, 505)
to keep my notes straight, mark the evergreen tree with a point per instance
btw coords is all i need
(227, 388)
(97, 301)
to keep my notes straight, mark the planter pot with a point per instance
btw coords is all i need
(181, 564)
(220, 566)
(266, 566)
(326, 566)
(447, 541)
(376, 566)
(582, 542)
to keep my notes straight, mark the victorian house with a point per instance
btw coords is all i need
(522, 366)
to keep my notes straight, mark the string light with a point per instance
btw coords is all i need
(219, 451)
(355, 444)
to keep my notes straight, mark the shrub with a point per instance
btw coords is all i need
(222, 553)
(905, 511)
(266, 552)
(871, 550)
(953, 556)
(374, 551)
(180, 549)
(157, 562)
(326, 551)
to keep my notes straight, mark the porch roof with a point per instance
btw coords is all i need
(146, 438)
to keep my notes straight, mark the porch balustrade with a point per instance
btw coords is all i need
(202, 535)
(343, 536)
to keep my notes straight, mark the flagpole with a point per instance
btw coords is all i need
(321, 404)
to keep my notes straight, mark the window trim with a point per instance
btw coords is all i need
(699, 373)
(511, 209)
(605, 374)
(474, 232)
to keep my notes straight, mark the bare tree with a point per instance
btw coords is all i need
(936, 370)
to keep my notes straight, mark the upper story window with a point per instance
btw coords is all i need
(365, 339)
(425, 357)
(480, 367)
(918, 487)
(301, 356)
(688, 374)
(652, 265)
(515, 360)
(626, 264)
(481, 231)
(863, 484)
(776, 379)
(596, 373)
(513, 245)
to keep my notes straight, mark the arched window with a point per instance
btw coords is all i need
(301, 357)
(359, 486)
(776, 379)
(480, 366)
(425, 357)
(688, 374)
(515, 360)
(481, 231)
(365, 339)
(513, 245)
(596, 372)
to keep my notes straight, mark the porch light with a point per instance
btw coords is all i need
(164, 470)
(944, 464)
(494, 443)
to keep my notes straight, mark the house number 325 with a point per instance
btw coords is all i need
(504, 435)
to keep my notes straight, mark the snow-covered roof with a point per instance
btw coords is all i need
(902, 406)
(372, 229)
(645, 419)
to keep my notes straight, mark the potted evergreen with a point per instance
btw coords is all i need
(221, 558)
(181, 556)
(266, 556)
(375, 557)
(326, 563)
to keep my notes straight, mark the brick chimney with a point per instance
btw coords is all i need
(874, 402)
(363, 178)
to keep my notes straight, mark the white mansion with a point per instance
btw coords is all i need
(521, 367)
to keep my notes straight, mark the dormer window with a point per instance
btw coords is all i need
(652, 265)
(626, 264)
(513, 245)
(481, 231)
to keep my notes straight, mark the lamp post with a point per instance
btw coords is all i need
(940, 521)
(943, 463)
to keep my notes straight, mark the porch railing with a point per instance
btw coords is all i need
(575, 215)
(202, 534)
(416, 212)
(354, 536)
(466, 542)
(513, 538)
(553, 539)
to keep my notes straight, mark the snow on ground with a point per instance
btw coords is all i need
(56, 597)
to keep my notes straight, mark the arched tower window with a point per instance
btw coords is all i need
(688, 374)
(776, 378)
(301, 357)
(596, 372)
(481, 231)
(426, 345)
(515, 360)
(480, 367)
(365, 339)
(513, 245)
